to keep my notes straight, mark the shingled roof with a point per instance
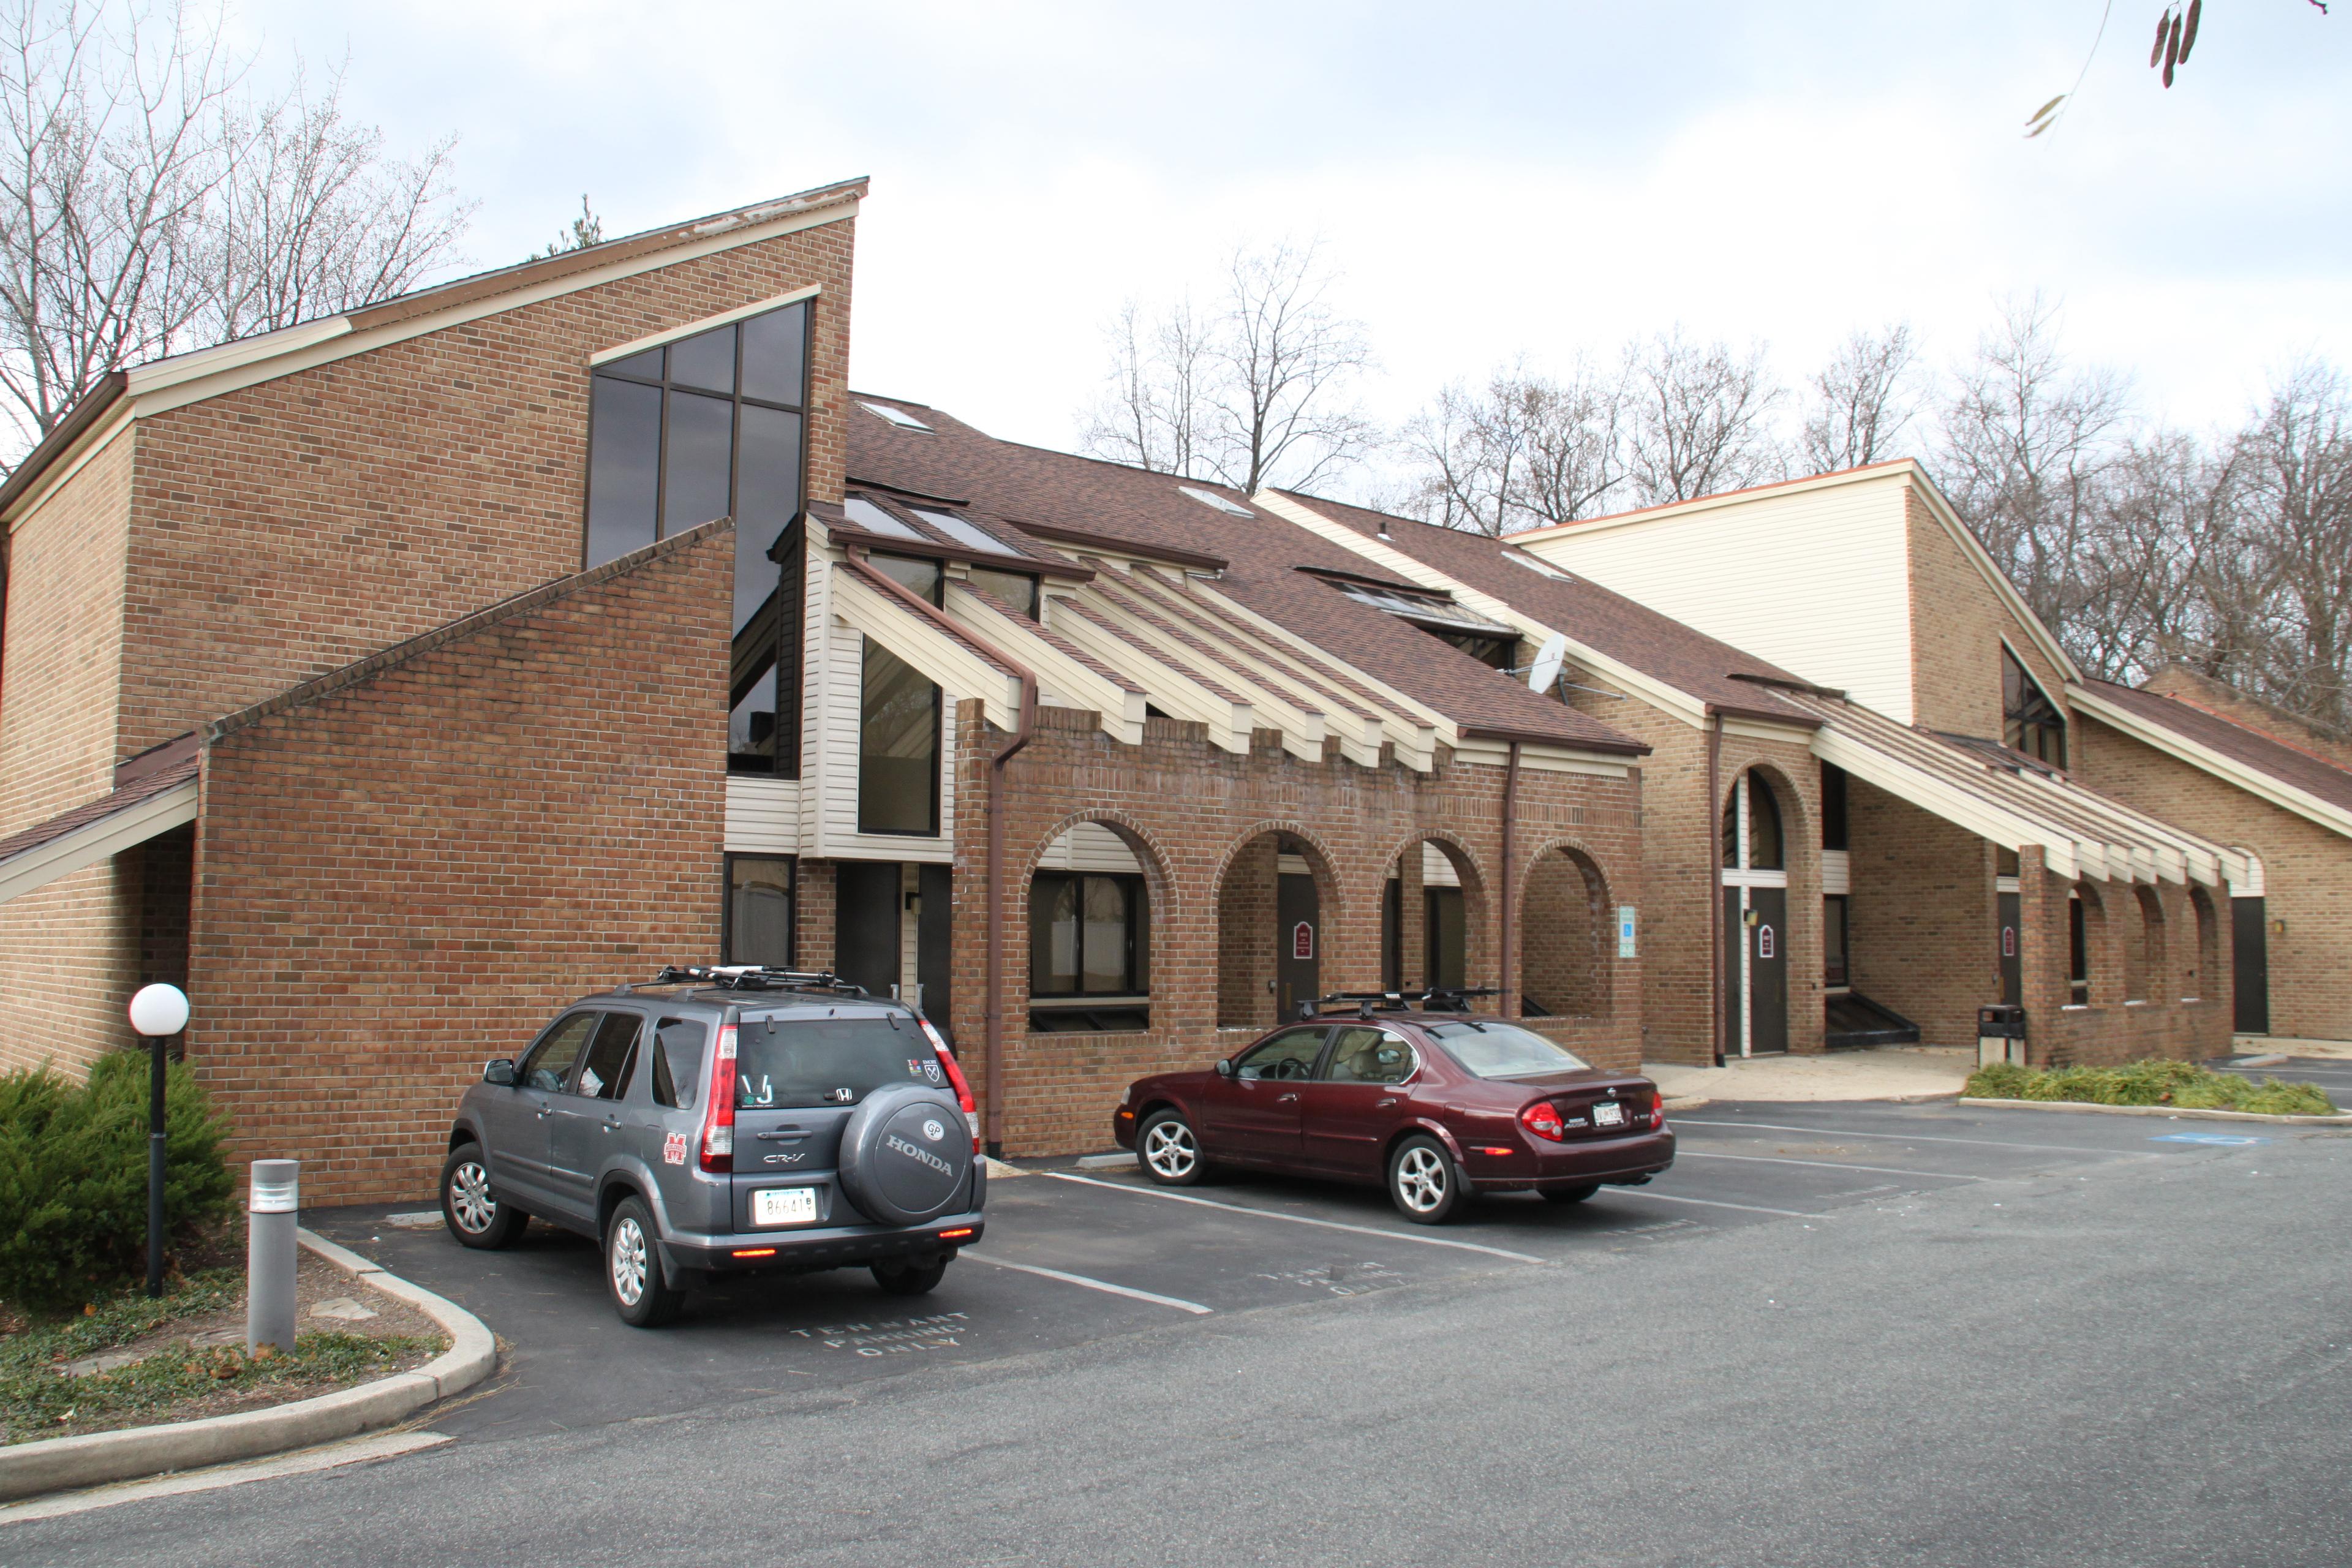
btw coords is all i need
(2291, 766)
(1267, 565)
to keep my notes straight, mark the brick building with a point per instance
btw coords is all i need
(390, 680)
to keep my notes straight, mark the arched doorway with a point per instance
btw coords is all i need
(2250, 953)
(1754, 919)
(1434, 920)
(1565, 928)
(1275, 900)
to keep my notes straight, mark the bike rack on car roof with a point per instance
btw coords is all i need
(1436, 999)
(756, 977)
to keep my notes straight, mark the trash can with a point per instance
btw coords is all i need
(2000, 1034)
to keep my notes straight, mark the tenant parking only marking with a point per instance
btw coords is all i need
(892, 1336)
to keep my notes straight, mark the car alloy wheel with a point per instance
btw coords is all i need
(470, 1202)
(1423, 1181)
(1170, 1150)
(628, 1259)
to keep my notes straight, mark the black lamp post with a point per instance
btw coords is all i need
(158, 1012)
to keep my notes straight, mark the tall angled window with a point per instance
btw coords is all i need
(2031, 722)
(710, 427)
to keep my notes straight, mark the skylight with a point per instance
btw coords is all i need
(1431, 612)
(1229, 507)
(1517, 558)
(865, 514)
(898, 416)
(957, 529)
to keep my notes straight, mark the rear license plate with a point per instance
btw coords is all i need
(783, 1205)
(1609, 1113)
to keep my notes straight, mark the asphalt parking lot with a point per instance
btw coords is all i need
(1074, 1257)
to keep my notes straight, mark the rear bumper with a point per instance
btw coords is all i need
(839, 1246)
(1623, 1161)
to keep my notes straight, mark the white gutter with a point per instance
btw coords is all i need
(98, 840)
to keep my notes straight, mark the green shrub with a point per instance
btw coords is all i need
(2182, 1084)
(73, 1177)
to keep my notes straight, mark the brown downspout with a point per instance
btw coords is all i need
(1024, 731)
(1713, 885)
(1510, 989)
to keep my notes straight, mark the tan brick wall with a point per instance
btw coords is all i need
(2112, 1028)
(1958, 622)
(1923, 931)
(1191, 812)
(410, 876)
(61, 663)
(292, 526)
(2306, 871)
(68, 963)
(2217, 697)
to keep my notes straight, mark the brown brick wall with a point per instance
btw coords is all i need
(61, 661)
(1246, 997)
(1191, 811)
(1923, 923)
(296, 525)
(1957, 623)
(408, 877)
(2306, 870)
(2112, 1028)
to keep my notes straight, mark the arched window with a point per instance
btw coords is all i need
(1763, 849)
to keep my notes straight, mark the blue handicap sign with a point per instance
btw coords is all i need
(2226, 1140)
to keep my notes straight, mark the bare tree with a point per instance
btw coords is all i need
(1519, 453)
(2299, 462)
(1859, 401)
(150, 203)
(2161, 569)
(1260, 390)
(2027, 444)
(1699, 419)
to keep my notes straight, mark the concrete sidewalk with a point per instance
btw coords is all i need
(1887, 1072)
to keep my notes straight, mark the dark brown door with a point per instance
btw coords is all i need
(935, 945)
(866, 924)
(2012, 971)
(2249, 965)
(1767, 970)
(1298, 919)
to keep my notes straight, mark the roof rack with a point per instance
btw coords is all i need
(755, 977)
(1436, 999)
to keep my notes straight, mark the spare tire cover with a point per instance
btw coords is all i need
(905, 1154)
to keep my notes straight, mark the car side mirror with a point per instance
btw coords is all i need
(500, 1071)
(1224, 1069)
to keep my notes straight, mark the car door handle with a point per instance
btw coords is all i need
(1384, 1104)
(1284, 1099)
(545, 1111)
(612, 1124)
(783, 1135)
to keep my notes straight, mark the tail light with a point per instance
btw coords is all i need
(1658, 1108)
(955, 1077)
(719, 1116)
(1542, 1118)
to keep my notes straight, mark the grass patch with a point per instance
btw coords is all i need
(38, 1401)
(2183, 1085)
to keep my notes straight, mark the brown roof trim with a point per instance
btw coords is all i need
(1783, 683)
(1061, 535)
(62, 436)
(849, 534)
(853, 482)
(1787, 718)
(360, 670)
(523, 274)
(1551, 738)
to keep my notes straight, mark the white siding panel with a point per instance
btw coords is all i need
(839, 695)
(1436, 870)
(763, 815)
(1817, 581)
(1090, 847)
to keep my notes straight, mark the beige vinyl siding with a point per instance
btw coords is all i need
(1089, 846)
(829, 766)
(1817, 581)
(763, 815)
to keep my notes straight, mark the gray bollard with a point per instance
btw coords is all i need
(277, 1193)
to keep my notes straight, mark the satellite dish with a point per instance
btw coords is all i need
(1546, 669)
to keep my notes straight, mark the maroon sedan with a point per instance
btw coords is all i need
(1436, 1105)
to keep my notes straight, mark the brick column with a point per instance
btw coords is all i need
(1412, 921)
(2042, 951)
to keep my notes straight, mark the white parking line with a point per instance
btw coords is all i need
(1827, 1165)
(1907, 1137)
(1715, 1204)
(1302, 1219)
(1102, 1285)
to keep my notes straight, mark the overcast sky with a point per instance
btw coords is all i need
(1491, 180)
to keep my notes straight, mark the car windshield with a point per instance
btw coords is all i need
(805, 1062)
(1492, 1049)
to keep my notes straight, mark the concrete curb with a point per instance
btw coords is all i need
(2342, 1119)
(58, 1463)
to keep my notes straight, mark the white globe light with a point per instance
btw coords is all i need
(159, 1010)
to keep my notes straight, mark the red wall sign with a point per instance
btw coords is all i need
(1302, 941)
(1763, 942)
(2008, 942)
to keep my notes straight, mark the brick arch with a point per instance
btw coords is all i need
(1242, 998)
(1565, 930)
(1797, 827)
(2206, 974)
(1478, 904)
(1159, 867)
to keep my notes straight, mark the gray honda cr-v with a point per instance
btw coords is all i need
(719, 1122)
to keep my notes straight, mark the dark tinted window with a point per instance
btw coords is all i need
(805, 1062)
(1089, 935)
(678, 1045)
(695, 452)
(549, 1064)
(1764, 851)
(1290, 1054)
(776, 352)
(612, 1057)
(760, 910)
(623, 468)
(647, 365)
(706, 361)
(1834, 967)
(898, 747)
(922, 577)
(1017, 592)
(1832, 806)
(2030, 722)
(1494, 1049)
